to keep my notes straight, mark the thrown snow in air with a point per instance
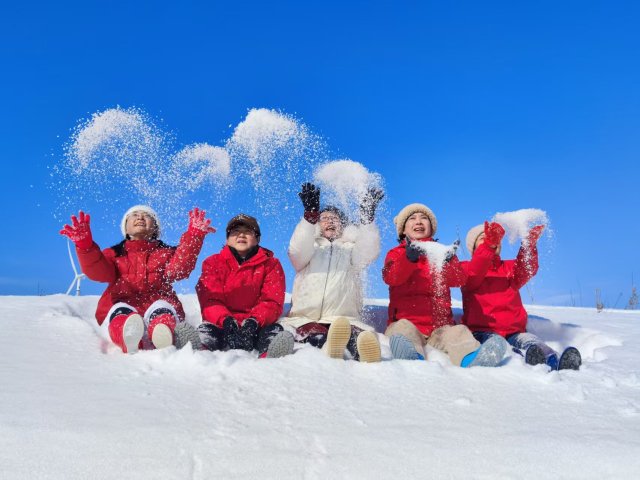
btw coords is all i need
(518, 223)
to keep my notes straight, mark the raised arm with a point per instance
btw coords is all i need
(526, 265)
(93, 263)
(185, 257)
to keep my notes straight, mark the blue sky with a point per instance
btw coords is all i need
(468, 107)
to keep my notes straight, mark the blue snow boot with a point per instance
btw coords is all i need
(552, 361)
(490, 353)
(403, 349)
(570, 359)
(534, 355)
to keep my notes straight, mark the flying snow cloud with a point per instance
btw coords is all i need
(344, 183)
(518, 223)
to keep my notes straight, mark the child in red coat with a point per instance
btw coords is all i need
(492, 304)
(139, 271)
(241, 292)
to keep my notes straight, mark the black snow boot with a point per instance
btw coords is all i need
(211, 337)
(570, 359)
(265, 335)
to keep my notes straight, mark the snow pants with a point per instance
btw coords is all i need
(456, 341)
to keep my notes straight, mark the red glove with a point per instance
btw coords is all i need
(80, 231)
(198, 225)
(534, 234)
(493, 233)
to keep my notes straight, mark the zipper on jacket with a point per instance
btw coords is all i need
(326, 280)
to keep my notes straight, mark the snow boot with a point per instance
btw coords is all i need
(184, 333)
(210, 336)
(338, 337)
(126, 331)
(368, 347)
(403, 349)
(570, 359)
(534, 355)
(552, 361)
(489, 354)
(266, 335)
(161, 330)
(280, 345)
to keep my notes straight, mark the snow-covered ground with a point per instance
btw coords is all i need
(74, 407)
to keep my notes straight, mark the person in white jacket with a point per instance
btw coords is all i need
(329, 257)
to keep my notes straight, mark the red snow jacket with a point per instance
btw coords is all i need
(253, 289)
(139, 272)
(492, 302)
(419, 293)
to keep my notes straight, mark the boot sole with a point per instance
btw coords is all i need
(403, 349)
(338, 337)
(534, 356)
(185, 333)
(368, 347)
(132, 332)
(162, 336)
(491, 352)
(570, 359)
(281, 345)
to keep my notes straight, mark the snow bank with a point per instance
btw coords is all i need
(73, 407)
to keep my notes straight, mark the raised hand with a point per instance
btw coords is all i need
(198, 223)
(452, 252)
(79, 232)
(369, 204)
(493, 234)
(534, 234)
(310, 196)
(412, 251)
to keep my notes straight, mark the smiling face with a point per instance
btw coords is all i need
(417, 227)
(242, 239)
(330, 226)
(141, 226)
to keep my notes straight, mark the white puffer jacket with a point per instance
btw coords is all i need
(328, 282)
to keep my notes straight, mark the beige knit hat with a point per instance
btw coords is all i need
(409, 210)
(472, 236)
(140, 208)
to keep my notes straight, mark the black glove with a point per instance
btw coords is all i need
(453, 251)
(211, 337)
(247, 334)
(413, 252)
(369, 204)
(310, 196)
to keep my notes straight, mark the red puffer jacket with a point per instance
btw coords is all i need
(419, 293)
(492, 301)
(139, 272)
(253, 289)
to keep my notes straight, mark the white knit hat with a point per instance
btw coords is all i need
(472, 236)
(409, 210)
(140, 208)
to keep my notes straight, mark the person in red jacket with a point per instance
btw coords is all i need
(419, 298)
(139, 271)
(492, 304)
(241, 291)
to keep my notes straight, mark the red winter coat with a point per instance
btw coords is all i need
(420, 294)
(253, 289)
(492, 302)
(139, 272)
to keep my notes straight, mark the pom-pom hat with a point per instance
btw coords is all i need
(409, 210)
(140, 208)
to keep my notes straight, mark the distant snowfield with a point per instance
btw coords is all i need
(74, 407)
